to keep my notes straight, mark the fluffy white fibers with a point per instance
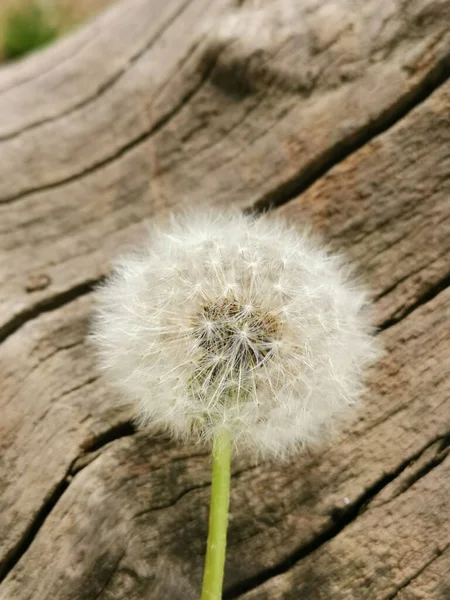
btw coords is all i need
(227, 321)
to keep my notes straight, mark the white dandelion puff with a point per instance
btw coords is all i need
(225, 321)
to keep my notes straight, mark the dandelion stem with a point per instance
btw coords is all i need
(218, 518)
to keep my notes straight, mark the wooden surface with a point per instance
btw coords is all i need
(334, 113)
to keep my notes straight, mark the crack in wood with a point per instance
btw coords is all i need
(334, 155)
(208, 68)
(309, 175)
(427, 296)
(93, 447)
(411, 273)
(200, 486)
(18, 550)
(442, 451)
(409, 580)
(174, 501)
(46, 305)
(115, 433)
(109, 83)
(441, 455)
(33, 76)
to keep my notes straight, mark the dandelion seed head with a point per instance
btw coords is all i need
(227, 321)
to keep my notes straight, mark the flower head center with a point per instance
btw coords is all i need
(240, 333)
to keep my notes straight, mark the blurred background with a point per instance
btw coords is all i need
(26, 25)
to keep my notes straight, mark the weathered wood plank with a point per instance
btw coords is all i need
(144, 499)
(171, 125)
(88, 521)
(75, 70)
(391, 429)
(432, 582)
(47, 376)
(387, 208)
(379, 553)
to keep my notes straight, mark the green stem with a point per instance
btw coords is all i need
(218, 518)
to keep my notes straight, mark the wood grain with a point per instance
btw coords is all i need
(335, 114)
(169, 128)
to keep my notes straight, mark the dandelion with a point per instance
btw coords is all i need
(236, 330)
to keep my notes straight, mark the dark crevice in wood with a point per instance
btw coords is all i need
(17, 551)
(439, 458)
(441, 449)
(95, 445)
(431, 293)
(340, 519)
(173, 501)
(108, 83)
(115, 433)
(410, 273)
(343, 149)
(143, 137)
(441, 454)
(409, 580)
(46, 305)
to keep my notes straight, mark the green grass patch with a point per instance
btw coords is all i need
(27, 29)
